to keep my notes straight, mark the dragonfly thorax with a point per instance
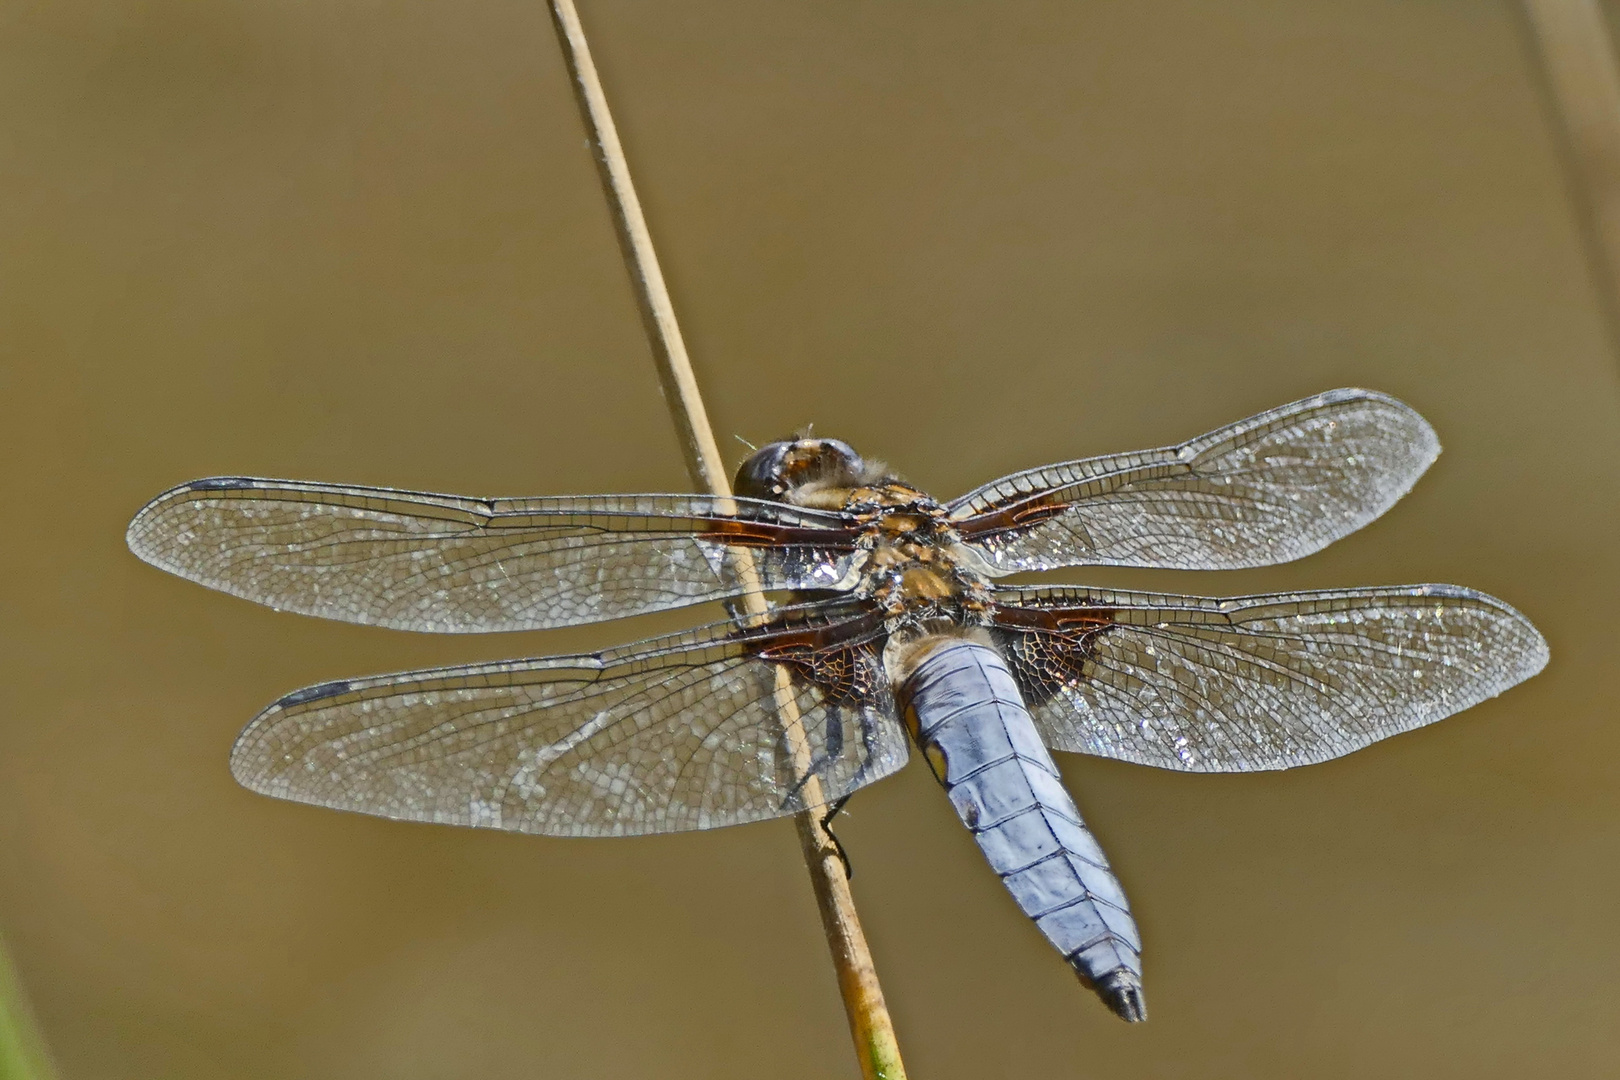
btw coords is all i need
(915, 568)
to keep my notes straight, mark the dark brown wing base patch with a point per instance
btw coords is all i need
(1048, 649)
(843, 660)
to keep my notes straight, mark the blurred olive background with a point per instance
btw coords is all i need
(364, 242)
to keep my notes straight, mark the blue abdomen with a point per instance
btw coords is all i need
(967, 715)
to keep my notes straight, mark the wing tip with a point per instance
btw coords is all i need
(248, 757)
(244, 765)
(142, 524)
(1535, 646)
(1422, 428)
(1532, 649)
(245, 769)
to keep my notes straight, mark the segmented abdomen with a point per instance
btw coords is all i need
(967, 715)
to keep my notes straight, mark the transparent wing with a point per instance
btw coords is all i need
(416, 561)
(1274, 487)
(679, 732)
(1256, 682)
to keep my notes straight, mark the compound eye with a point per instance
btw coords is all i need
(763, 474)
(837, 459)
(828, 462)
(780, 467)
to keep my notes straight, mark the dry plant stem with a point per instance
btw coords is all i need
(869, 1021)
(23, 1055)
(1577, 52)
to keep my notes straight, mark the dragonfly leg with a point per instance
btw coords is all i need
(826, 826)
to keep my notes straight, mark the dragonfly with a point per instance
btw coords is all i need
(863, 617)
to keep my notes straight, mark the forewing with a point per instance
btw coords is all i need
(1274, 487)
(1256, 682)
(690, 731)
(417, 561)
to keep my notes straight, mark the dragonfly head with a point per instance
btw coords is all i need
(778, 470)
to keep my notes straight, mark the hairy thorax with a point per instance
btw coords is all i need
(913, 566)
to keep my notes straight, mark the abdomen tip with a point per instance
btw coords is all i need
(1122, 992)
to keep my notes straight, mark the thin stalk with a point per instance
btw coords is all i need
(869, 1023)
(22, 1050)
